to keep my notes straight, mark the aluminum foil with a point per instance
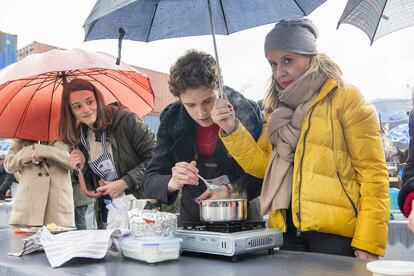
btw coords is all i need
(152, 224)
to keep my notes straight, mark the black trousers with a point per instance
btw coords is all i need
(102, 211)
(313, 241)
(80, 217)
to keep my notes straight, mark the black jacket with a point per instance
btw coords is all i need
(408, 175)
(6, 180)
(176, 142)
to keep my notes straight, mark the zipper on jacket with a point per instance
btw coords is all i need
(299, 229)
(336, 160)
(349, 198)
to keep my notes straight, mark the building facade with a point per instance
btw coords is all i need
(163, 96)
(34, 48)
(8, 49)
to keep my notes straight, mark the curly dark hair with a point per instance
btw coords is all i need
(193, 70)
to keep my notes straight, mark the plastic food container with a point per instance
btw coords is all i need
(388, 268)
(152, 250)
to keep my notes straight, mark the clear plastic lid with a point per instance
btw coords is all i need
(129, 242)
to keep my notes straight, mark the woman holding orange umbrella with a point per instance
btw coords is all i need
(31, 92)
(113, 146)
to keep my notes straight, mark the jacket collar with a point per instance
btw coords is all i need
(327, 89)
(98, 135)
(176, 122)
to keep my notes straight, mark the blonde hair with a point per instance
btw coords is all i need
(318, 63)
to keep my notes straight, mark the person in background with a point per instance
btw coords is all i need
(391, 152)
(188, 141)
(406, 194)
(6, 179)
(81, 202)
(110, 143)
(326, 182)
(44, 195)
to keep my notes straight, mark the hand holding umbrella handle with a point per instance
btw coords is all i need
(82, 185)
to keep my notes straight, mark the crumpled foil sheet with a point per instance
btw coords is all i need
(152, 224)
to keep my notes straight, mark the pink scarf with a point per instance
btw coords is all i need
(284, 127)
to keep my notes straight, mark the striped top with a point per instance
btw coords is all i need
(103, 166)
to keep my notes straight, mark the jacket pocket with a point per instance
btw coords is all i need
(348, 195)
(66, 204)
(20, 199)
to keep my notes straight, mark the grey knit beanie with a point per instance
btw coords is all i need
(297, 36)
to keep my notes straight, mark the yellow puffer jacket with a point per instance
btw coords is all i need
(340, 180)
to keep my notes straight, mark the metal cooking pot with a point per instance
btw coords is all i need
(218, 210)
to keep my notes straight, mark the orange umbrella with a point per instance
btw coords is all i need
(31, 90)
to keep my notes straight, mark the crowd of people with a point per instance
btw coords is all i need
(311, 158)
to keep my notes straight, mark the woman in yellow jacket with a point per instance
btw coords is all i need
(325, 180)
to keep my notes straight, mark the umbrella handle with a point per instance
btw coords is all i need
(82, 185)
(121, 36)
(213, 32)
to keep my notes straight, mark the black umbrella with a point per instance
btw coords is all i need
(160, 19)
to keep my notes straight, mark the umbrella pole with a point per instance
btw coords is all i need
(215, 51)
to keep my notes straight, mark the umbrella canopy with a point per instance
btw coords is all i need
(377, 18)
(4, 147)
(399, 135)
(31, 90)
(160, 19)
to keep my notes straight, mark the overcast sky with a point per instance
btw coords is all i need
(384, 70)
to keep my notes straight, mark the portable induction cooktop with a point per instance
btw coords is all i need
(229, 238)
